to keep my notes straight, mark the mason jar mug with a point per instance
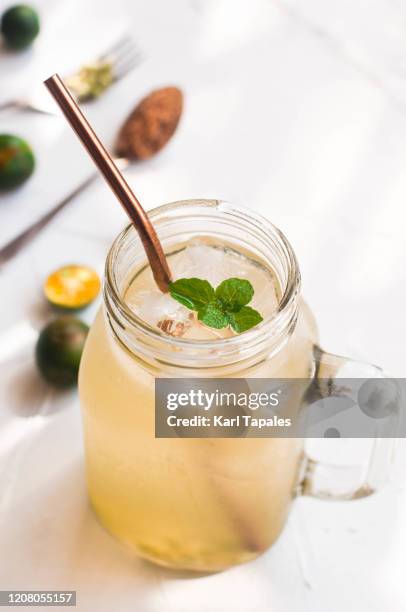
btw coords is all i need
(201, 504)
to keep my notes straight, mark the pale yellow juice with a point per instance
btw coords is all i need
(201, 504)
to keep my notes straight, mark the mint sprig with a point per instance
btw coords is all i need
(225, 305)
(193, 293)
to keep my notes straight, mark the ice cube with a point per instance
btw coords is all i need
(202, 261)
(160, 310)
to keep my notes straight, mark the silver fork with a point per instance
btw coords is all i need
(123, 56)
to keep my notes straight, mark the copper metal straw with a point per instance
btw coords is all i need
(114, 178)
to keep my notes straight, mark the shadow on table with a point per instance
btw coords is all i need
(28, 394)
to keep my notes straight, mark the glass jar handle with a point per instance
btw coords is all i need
(347, 482)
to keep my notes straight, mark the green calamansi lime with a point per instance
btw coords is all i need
(19, 26)
(59, 350)
(17, 161)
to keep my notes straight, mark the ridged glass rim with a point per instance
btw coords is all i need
(279, 319)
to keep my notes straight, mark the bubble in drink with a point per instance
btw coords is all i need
(209, 260)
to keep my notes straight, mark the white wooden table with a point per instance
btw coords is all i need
(297, 110)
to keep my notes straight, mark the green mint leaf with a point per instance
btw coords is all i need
(244, 319)
(213, 316)
(235, 293)
(227, 305)
(193, 293)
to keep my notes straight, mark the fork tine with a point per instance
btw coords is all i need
(130, 55)
(115, 47)
(126, 66)
(124, 52)
(127, 55)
